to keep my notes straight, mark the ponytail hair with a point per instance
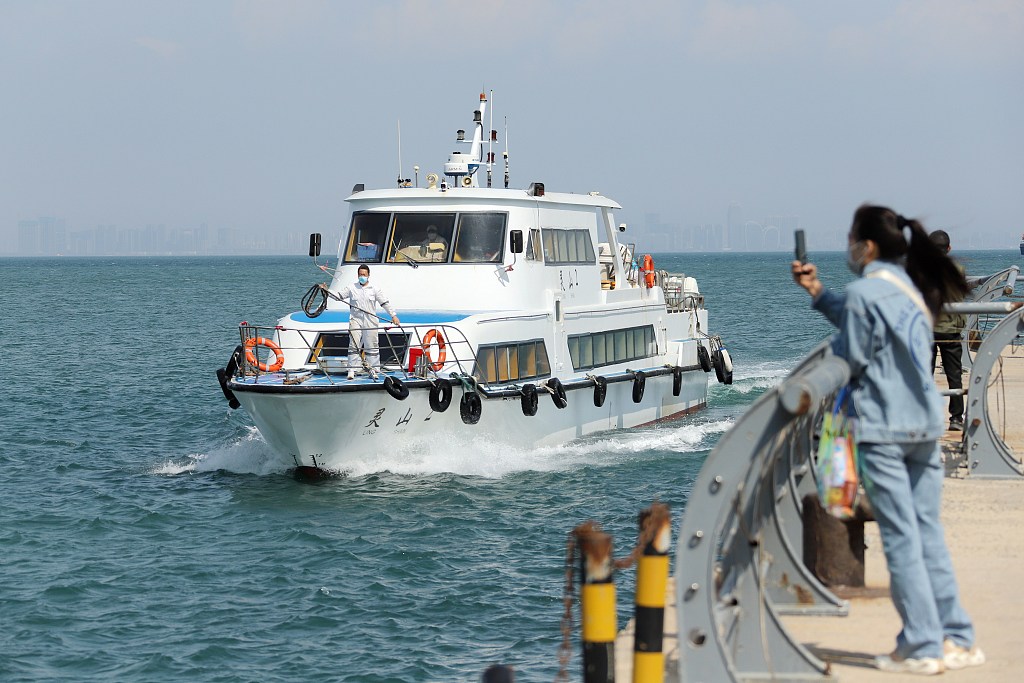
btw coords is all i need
(929, 267)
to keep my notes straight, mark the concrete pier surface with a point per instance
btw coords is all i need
(984, 523)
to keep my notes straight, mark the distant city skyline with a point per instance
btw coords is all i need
(56, 236)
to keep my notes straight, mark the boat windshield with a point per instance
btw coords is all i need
(421, 237)
(480, 237)
(366, 239)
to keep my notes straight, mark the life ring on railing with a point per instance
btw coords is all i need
(252, 359)
(649, 275)
(428, 339)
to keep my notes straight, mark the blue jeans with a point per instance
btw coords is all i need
(904, 485)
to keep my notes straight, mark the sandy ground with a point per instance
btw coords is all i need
(984, 522)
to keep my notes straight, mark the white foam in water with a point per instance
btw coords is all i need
(475, 456)
(759, 376)
(248, 455)
(483, 457)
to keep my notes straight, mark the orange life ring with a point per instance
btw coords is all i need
(649, 277)
(251, 357)
(428, 339)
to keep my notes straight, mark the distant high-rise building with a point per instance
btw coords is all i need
(733, 225)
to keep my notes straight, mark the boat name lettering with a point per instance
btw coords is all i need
(405, 419)
(375, 419)
(568, 279)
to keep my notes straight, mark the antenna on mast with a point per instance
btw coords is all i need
(399, 152)
(505, 153)
(490, 140)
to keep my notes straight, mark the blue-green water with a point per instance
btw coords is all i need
(147, 533)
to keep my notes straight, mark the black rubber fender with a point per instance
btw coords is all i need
(557, 393)
(440, 395)
(226, 373)
(726, 365)
(677, 380)
(639, 383)
(470, 407)
(529, 400)
(600, 391)
(396, 388)
(703, 357)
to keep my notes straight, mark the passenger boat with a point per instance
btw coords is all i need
(1022, 245)
(526, 320)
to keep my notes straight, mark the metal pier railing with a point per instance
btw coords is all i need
(738, 561)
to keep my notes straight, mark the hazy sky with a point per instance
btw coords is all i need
(258, 114)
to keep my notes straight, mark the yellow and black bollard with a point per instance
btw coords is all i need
(651, 581)
(597, 603)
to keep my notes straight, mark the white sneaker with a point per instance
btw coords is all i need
(958, 657)
(351, 374)
(925, 666)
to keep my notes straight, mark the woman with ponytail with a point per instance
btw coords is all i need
(885, 321)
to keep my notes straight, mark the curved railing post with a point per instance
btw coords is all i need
(985, 452)
(987, 288)
(736, 568)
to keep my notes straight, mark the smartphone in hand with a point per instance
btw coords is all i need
(801, 246)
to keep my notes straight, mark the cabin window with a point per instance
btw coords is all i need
(480, 238)
(613, 346)
(568, 246)
(512, 362)
(421, 237)
(533, 245)
(366, 238)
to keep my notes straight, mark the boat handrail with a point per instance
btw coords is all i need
(460, 362)
(458, 354)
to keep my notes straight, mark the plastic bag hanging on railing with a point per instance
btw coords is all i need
(837, 460)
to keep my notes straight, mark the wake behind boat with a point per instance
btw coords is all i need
(521, 306)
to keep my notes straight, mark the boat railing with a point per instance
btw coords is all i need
(630, 267)
(678, 298)
(413, 351)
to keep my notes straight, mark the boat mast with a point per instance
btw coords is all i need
(463, 167)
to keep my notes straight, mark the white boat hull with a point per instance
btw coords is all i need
(336, 431)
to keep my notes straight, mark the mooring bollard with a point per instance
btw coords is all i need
(597, 603)
(651, 581)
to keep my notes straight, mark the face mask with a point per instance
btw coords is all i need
(855, 257)
(363, 279)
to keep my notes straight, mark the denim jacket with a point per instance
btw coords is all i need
(887, 341)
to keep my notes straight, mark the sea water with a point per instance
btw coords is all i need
(148, 533)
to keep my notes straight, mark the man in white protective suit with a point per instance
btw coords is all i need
(363, 299)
